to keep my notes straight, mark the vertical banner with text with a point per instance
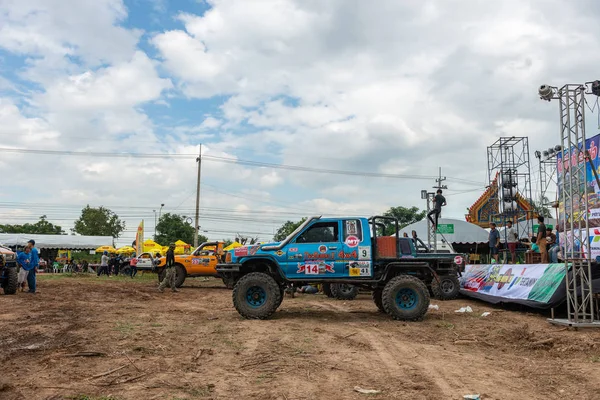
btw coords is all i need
(139, 239)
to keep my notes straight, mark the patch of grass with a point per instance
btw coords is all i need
(595, 359)
(125, 327)
(156, 325)
(444, 324)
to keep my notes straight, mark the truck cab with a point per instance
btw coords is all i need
(338, 250)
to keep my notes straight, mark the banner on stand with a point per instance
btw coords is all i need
(534, 282)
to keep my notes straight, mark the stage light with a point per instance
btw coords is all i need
(596, 88)
(538, 154)
(546, 154)
(551, 151)
(558, 147)
(546, 92)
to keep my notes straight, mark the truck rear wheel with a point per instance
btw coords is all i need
(256, 296)
(448, 287)
(377, 293)
(405, 298)
(343, 291)
(10, 281)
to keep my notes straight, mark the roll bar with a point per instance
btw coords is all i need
(291, 235)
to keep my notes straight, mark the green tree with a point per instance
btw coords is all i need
(405, 216)
(287, 228)
(172, 227)
(42, 227)
(99, 222)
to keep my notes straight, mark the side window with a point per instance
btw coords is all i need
(322, 232)
(405, 247)
(352, 227)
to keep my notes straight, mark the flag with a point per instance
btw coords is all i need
(139, 239)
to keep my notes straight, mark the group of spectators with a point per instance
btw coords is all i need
(113, 264)
(29, 260)
(546, 243)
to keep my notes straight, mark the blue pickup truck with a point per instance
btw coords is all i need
(346, 251)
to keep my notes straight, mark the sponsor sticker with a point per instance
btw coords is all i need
(279, 253)
(458, 260)
(240, 251)
(322, 249)
(293, 249)
(360, 268)
(352, 241)
(351, 227)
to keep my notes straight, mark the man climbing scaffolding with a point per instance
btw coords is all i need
(438, 202)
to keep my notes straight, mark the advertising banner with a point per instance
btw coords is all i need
(533, 282)
(139, 239)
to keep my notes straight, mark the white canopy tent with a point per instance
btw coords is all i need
(464, 232)
(63, 242)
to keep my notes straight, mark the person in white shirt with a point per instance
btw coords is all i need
(511, 241)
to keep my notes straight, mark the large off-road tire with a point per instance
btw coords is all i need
(180, 275)
(229, 282)
(327, 290)
(11, 281)
(256, 295)
(447, 289)
(405, 298)
(343, 291)
(377, 293)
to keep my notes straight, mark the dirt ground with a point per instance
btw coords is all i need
(193, 345)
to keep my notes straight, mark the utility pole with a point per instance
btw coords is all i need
(197, 224)
(439, 181)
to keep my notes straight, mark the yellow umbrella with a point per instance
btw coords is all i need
(126, 250)
(102, 249)
(232, 246)
(150, 243)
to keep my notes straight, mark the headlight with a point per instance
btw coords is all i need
(10, 257)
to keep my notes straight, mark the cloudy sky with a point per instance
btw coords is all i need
(391, 87)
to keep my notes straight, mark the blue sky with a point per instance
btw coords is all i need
(401, 88)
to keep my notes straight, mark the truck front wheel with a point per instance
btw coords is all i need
(405, 298)
(11, 281)
(256, 296)
(448, 287)
(180, 275)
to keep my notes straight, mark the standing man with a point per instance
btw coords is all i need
(170, 274)
(35, 262)
(511, 241)
(438, 202)
(103, 264)
(541, 240)
(494, 241)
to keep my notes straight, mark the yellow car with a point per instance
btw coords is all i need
(201, 262)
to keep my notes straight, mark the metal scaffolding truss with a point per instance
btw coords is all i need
(573, 189)
(431, 229)
(508, 158)
(547, 177)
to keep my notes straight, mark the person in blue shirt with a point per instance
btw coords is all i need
(35, 262)
(494, 241)
(24, 261)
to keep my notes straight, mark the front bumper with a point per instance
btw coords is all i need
(224, 268)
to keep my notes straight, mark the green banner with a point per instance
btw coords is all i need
(547, 284)
(445, 228)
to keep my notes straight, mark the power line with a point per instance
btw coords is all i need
(230, 161)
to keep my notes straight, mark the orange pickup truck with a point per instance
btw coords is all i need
(202, 262)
